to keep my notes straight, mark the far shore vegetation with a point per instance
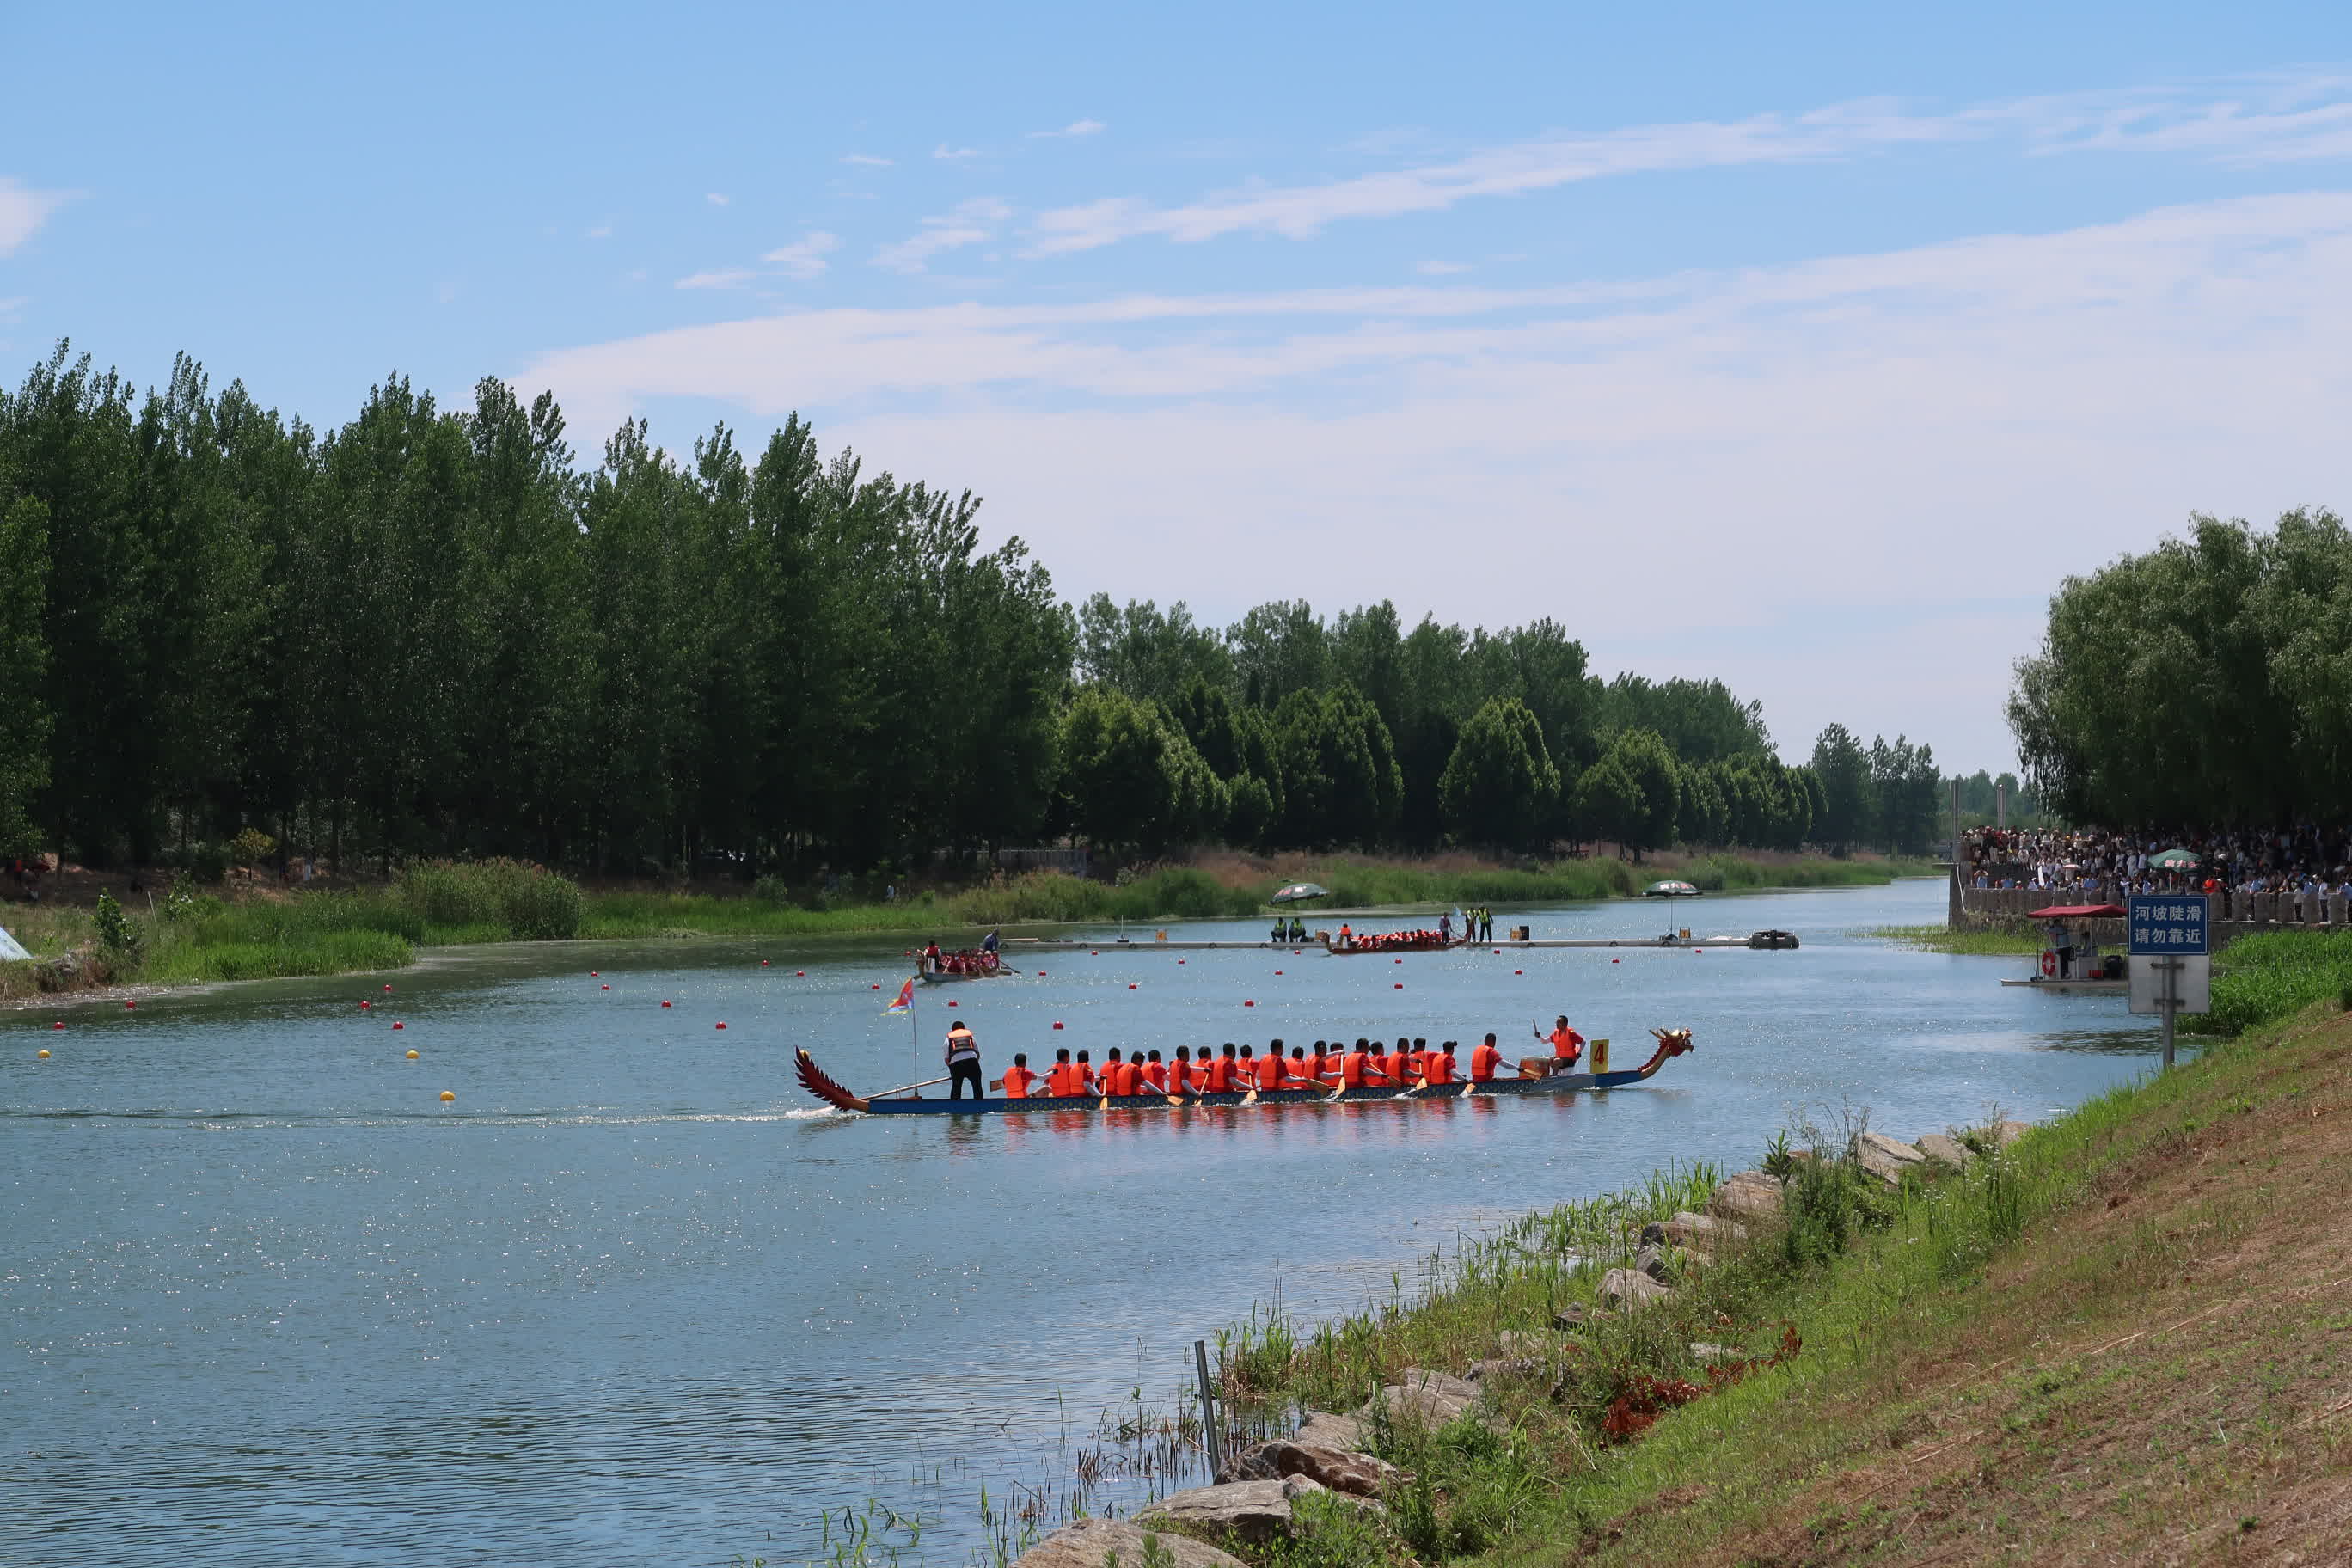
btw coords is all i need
(2016, 940)
(192, 934)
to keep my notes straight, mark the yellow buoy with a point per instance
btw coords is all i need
(447, 1097)
(412, 1056)
(45, 1053)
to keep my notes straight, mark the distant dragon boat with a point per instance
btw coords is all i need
(1534, 1079)
(1392, 942)
(971, 964)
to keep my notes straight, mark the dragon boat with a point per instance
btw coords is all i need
(1398, 941)
(971, 964)
(1533, 1079)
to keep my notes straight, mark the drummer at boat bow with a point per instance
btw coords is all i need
(1565, 1044)
(964, 1062)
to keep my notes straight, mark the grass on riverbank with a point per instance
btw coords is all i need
(1992, 941)
(2273, 974)
(2123, 1340)
(190, 939)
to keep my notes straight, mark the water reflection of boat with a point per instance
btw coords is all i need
(1671, 1043)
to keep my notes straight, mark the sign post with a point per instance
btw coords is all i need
(2171, 958)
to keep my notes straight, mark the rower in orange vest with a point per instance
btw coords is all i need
(1398, 1066)
(1217, 1076)
(1155, 1074)
(1269, 1068)
(1420, 1057)
(1085, 1080)
(1180, 1071)
(1484, 1058)
(1018, 1078)
(1439, 1066)
(1295, 1072)
(1107, 1080)
(1062, 1079)
(1565, 1044)
(1360, 1067)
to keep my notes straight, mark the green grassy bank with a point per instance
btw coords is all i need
(2032, 1357)
(187, 937)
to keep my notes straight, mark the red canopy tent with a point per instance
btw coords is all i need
(2078, 912)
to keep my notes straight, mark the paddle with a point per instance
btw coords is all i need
(906, 1088)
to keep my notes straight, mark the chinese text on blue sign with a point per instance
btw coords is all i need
(2168, 923)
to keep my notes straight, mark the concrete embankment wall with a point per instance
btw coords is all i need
(2234, 914)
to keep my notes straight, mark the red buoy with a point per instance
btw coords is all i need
(719, 1026)
(387, 987)
(950, 1004)
(664, 1004)
(593, 973)
(1130, 986)
(58, 1025)
(1057, 1023)
(398, 1024)
(129, 1005)
(1518, 972)
(605, 988)
(1249, 1004)
(1180, 960)
(365, 1004)
(764, 963)
(1400, 984)
(800, 972)
(1278, 971)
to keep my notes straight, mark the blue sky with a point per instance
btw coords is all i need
(1808, 349)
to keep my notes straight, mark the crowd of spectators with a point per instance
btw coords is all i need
(2103, 866)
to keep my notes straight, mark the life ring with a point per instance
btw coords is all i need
(2049, 964)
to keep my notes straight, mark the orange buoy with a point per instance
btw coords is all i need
(447, 1097)
(412, 1056)
(44, 1052)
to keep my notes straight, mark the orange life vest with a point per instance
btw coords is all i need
(1399, 1067)
(1017, 1081)
(1439, 1067)
(1060, 1080)
(1123, 1079)
(1567, 1044)
(1484, 1058)
(1156, 1075)
(1269, 1072)
(1217, 1076)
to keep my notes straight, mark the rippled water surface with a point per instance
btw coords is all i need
(265, 1300)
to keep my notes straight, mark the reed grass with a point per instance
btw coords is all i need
(1991, 942)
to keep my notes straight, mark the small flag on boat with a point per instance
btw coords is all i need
(906, 1002)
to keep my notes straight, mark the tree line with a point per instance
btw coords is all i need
(2206, 683)
(433, 631)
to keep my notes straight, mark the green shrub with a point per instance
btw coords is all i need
(2271, 975)
(208, 861)
(118, 935)
(251, 846)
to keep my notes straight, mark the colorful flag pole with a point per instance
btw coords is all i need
(906, 1004)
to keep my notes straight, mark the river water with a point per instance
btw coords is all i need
(264, 1299)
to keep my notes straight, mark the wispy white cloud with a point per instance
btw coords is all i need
(969, 223)
(947, 155)
(804, 258)
(23, 210)
(1075, 128)
(716, 198)
(2267, 120)
(721, 277)
(869, 161)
